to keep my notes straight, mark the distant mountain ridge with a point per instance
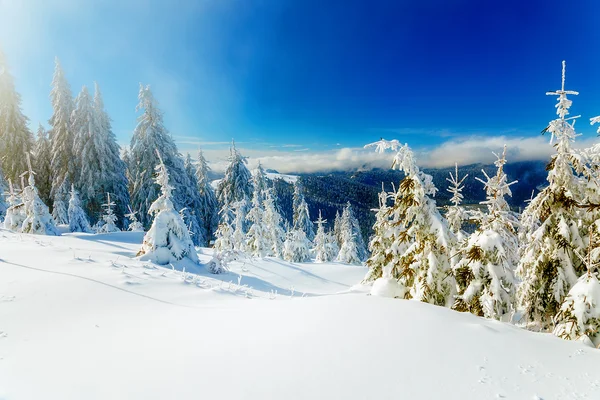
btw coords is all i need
(329, 192)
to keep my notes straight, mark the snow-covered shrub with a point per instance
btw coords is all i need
(15, 213)
(168, 239)
(579, 314)
(109, 217)
(78, 221)
(134, 224)
(37, 217)
(296, 247)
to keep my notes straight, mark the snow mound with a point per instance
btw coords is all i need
(387, 287)
(80, 318)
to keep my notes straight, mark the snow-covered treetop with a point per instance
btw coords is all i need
(405, 161)
(563, 104)
(497, 186)
(456, 186)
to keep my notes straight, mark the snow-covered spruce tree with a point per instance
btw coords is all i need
(332, 246)
(239, 222)
(102, 170)
(224, 249)
(456, 214)
(60, 208)
(381, 240)
(134, 224)
(549, 266)
(224, 234)
(109, 218)
(301, 217)
(37, 217)
(16, 139)
(42, 164)
(257, 243)
(236, 184)
(420, 239)
(337, 228)
(485, 272)
(352, 248)
(208, 211)
(149, 134)
(168, 239)
(274, 231)
(296, 247)
(321, 242)
(579, 315)
(15, 213)
(78, 221)
(61, 137)
(193, 205)
(259, 182)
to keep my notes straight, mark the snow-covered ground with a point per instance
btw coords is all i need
(81, 319)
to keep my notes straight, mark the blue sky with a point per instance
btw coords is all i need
(304, 76)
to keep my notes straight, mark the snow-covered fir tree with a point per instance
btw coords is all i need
(42, 165)
(239, 223)
(296, 247)
(61, 137)
(352, 248)
(274, 230)
(379, 246)
(549, 266)
(485, 272)
(208, 209)
(236, 184)
(257, 243)
(579, 315)
(193, 205)
(108, 217)
(60, 207)
(15, 213)
(456, 214)
(420, 239)
(301, 216)
(78, 221)
(224, 233)
(259, 183)
(321, 243)
(37, 217)
(16, 139)
(101, 170)
(168, 239)
(337, 228)
(134, 224)
(149, 134)
(332, 246)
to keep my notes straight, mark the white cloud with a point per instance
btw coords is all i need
(475, 149)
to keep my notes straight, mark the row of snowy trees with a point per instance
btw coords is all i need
(539, 268)
(251, 224)
(78, 162)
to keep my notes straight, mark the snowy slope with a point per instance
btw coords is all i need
(80, 319)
